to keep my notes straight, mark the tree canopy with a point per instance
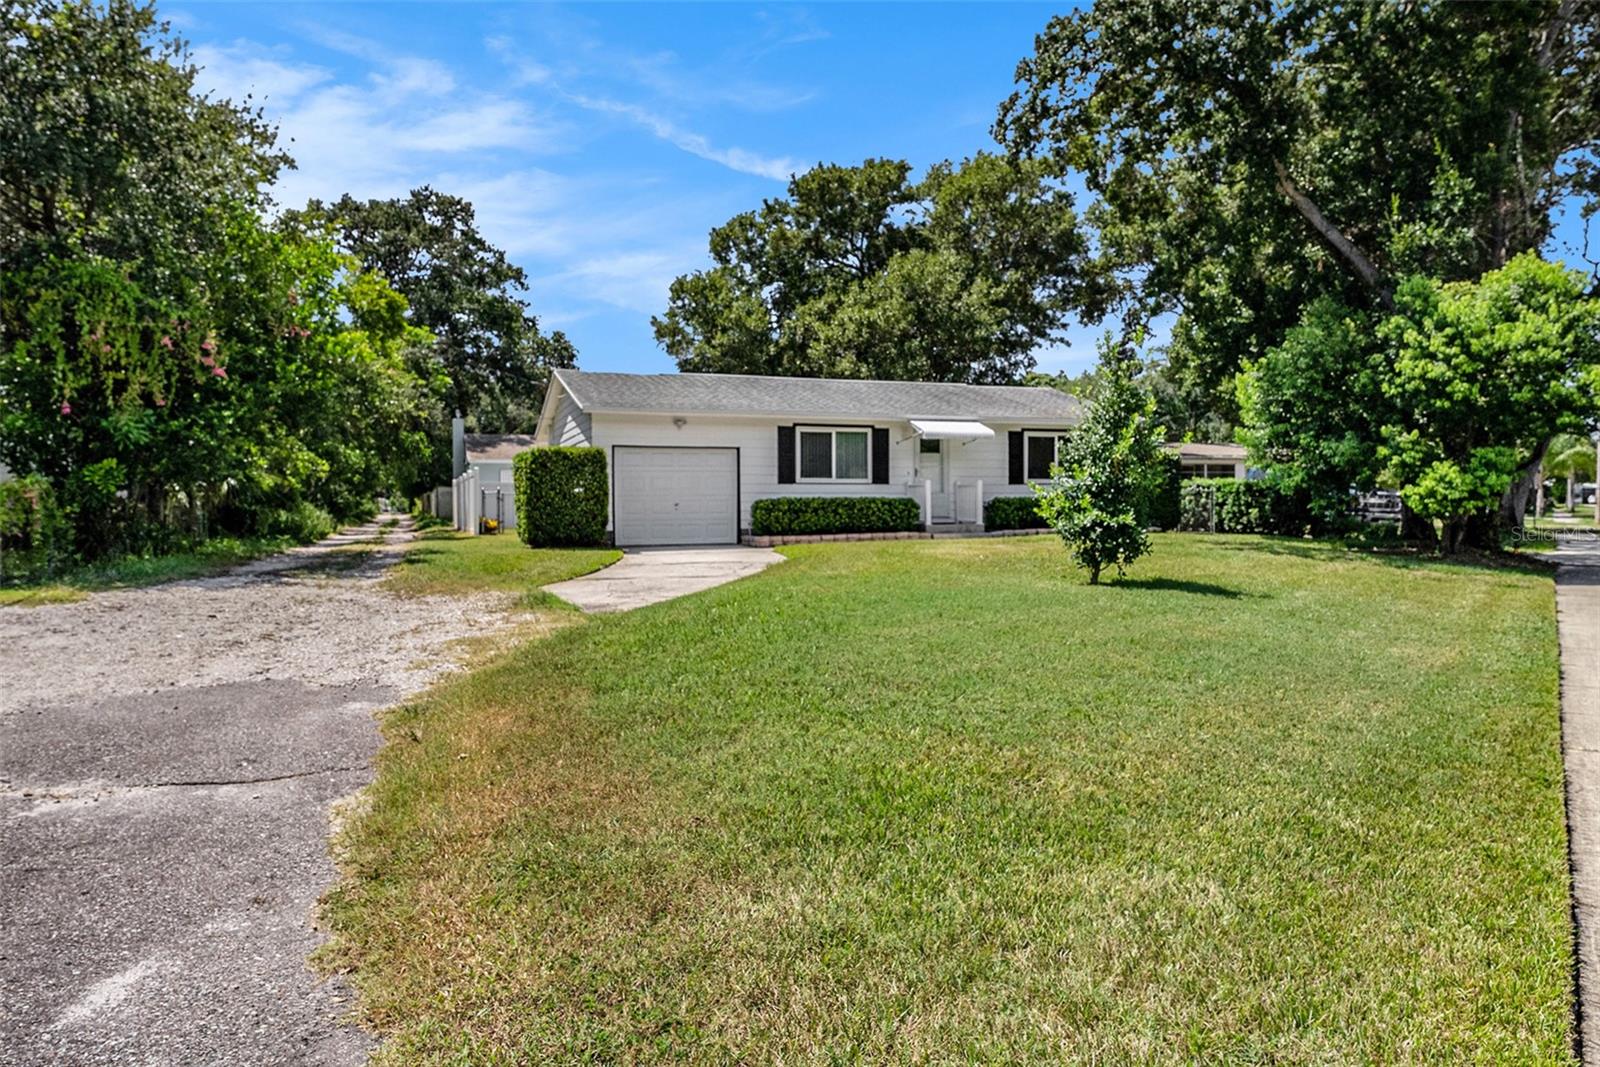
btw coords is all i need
(465, 292)
(172, 364)
(862, 272)
(1452, 398)
(1247, 158)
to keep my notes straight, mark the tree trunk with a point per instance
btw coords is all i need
(1094, 574)
(1514, 501)
(1453, 534)
(1570, 479)
(1416, 529)
(1353, 256)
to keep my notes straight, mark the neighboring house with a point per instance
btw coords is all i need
(1200, 460)
(689, 453)
(491, 454)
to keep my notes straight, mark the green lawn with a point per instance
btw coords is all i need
(453, 564)
(911, 802)
(213, 557)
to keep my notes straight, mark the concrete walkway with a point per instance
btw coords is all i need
(650, 575)
(1578, 620)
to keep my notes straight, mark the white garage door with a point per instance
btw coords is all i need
(676, 496)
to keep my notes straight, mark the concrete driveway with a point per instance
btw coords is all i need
(650, 575)
(168, 760)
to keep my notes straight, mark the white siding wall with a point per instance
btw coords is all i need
(757, 442)
(497, 474)
(569, 426)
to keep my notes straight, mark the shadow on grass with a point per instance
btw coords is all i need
(1405, 558)
(1178, 585)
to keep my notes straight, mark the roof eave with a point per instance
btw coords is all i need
(1020, 420)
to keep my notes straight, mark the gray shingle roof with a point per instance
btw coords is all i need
(748, 394)
(1209, 450)
(482, 446)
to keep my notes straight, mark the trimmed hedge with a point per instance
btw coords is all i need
(782, 516)
(1013, 513)
(1242, 506)
(561, 496)
(1164, 510)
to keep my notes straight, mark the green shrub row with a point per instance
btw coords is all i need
(35, 536)
(1165, 508)
(1013, 513)
(798, 515)
(561, 496)
(1231, 505)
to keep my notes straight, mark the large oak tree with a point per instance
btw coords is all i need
(1245, 158)
(862, 272)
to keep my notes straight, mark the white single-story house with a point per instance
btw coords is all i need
(1197, 459)
(688, 454)
(491, 455)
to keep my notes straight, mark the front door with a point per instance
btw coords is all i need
(931, 468)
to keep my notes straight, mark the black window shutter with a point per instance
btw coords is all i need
(880, 456)
(1016, 476)
(785, 455)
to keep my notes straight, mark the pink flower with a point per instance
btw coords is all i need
(66, 408)
(206, 345)
(220, 372)
(208, 361)
(160, 403)
(166, 342)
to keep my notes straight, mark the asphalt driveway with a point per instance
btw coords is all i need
(169, 761)
(650, 575)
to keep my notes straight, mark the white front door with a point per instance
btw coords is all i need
(675, 496)
(931, 468)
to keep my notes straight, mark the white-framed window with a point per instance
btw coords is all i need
(1039, 452)
(834, 454)
(1201, 469)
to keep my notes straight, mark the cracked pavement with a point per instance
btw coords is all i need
(166, 802)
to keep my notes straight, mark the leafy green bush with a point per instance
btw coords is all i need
(1261, 506)
(561, 496)
(1164, 508)
(1013, 513)
(35, 536)
(302, 521)
(800, 515)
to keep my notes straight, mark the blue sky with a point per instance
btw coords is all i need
(600, 143)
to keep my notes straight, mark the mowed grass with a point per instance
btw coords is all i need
(446, 563)
(943, 802)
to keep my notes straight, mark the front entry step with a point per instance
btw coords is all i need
(955, 529)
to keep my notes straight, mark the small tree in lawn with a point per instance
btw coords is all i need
(1107, 471)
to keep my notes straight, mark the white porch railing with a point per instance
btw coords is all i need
(974, 486)
(921, 490)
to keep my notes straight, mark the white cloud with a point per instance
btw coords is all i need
(242, 69)
(525, 70)
(379, 135)
(600, 245)
(397, 73)
(633, 280)
(778, 168)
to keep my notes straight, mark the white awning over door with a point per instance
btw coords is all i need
(936, 430)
